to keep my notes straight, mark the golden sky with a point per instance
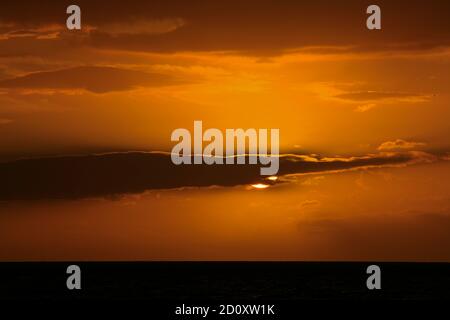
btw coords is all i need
(137, 71)
(339, 93)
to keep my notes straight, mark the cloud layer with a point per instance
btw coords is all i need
(76, 177)
(257, 27)
(92, 78)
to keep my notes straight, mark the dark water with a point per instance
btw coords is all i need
(224, 281)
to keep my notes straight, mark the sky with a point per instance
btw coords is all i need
(86, 118)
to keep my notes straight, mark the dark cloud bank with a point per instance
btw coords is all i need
(91, 78)
(254, 26)
(74, 177)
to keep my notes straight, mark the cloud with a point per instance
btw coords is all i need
(92, 78)
(143, 27)
(309, 203)
(106, 175)
(5, 121)
(356, 94)
(314, 181)
(257, 27)
(13, 31)
(360, 96)
(365, 107)
(400, 144)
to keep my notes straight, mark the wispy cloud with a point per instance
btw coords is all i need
(142, 27)
(96, 79)
(373, 96)
(5, 121)
(400, 144)
(363, 100)
(43, 32)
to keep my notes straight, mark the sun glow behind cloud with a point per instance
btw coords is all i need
(338, 98)
(260, 186)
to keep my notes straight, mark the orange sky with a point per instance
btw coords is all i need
(327, 82)
(137, 71)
